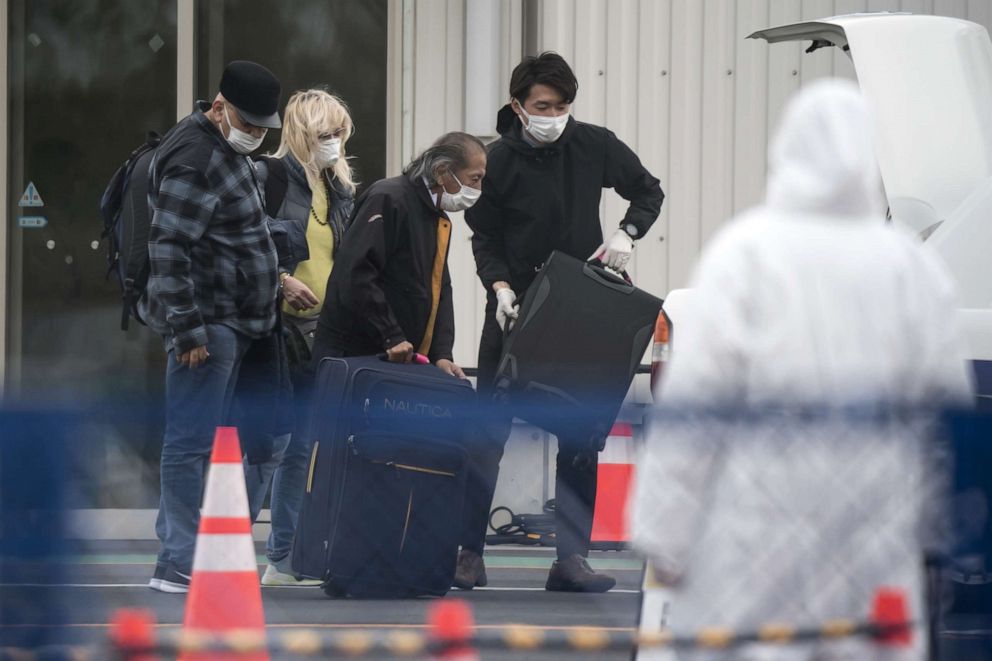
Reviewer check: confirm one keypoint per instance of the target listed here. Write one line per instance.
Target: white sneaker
(273, 576)
(155, 583)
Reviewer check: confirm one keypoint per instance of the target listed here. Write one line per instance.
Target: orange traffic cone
(224, 594)
(890, 612)
(451, 627)
(132, 633)
(615, 473)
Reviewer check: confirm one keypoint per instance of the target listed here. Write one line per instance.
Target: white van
(929, 80)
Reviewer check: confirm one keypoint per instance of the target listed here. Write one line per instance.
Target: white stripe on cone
(619, 449)
(226, 494)
(225, 552)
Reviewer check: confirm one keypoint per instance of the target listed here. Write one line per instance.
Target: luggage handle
(418, 358)
(595, 270)
(620, 282)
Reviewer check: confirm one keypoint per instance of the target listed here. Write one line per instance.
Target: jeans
(197, 401)
(287, 474)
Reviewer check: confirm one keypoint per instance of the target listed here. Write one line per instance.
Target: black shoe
(156, 580)
(173, 581)
(470, 572)
(573, 574)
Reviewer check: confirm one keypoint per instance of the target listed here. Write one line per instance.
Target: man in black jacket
(390, 289)
(542, 193)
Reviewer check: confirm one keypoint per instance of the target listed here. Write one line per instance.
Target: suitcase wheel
(333, 590)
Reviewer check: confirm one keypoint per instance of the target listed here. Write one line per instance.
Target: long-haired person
(392, 292)
(309, 189)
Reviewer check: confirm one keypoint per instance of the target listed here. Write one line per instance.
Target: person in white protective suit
(808, 300)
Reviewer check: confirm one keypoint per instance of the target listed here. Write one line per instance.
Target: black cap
(254, 91)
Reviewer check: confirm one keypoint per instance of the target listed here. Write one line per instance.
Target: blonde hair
(308, 114)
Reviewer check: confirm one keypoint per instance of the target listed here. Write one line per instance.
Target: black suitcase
(386, 483)
(573, 352)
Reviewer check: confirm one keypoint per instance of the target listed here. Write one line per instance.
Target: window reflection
(339, 44)
(88, 79)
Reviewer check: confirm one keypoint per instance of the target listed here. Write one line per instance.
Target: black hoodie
(539, 199)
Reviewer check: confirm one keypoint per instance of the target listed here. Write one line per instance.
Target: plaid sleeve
(182, 211)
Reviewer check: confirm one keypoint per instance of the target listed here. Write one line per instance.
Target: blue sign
(32, 222)
(31, 197)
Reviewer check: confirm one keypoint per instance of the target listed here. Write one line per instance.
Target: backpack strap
(135, 230)
(276, 184)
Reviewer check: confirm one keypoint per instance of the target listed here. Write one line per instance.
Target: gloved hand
(505, 308)
(616, 252)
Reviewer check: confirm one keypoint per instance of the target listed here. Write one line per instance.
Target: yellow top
(320, 239)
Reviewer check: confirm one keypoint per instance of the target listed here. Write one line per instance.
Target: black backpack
(275, 185)
(126, 222)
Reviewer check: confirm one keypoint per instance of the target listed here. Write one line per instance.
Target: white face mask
(328, 152)
(241, 142)
(463, 199)
(545, 129)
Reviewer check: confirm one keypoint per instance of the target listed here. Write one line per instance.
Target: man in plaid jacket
(211, 290)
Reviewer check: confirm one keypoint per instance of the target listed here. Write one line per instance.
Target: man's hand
(451, 368)
(616, 252)
(400, 353)
(298, 295)
(194, 357)
(506, 310)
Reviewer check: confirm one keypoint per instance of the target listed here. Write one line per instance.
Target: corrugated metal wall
(676, 79)
(434, 69)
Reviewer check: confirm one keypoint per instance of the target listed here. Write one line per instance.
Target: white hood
(822, 160)
(812, 296)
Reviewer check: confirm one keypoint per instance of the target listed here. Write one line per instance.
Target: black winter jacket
(288, 223)
(539, 199)
(379, 293)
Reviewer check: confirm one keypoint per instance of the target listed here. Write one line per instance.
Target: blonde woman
(309, 193)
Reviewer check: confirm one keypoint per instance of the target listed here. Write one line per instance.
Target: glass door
(87, 80)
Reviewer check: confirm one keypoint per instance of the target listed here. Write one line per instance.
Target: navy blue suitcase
(386, 482)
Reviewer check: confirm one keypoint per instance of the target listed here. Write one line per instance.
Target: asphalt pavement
(108, 576)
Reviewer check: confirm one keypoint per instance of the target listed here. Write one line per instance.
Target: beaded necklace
(313, 212)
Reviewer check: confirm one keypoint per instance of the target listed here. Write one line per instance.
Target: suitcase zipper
(419, 469)
(313, 465)
(406, 523)
(393, 464)
(416, 469)
(329, 543)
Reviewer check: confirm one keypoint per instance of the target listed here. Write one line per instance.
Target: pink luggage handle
(418, 359)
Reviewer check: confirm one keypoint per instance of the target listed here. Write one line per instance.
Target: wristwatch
(631, 230)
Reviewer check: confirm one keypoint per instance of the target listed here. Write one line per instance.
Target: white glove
(616, 252)
(505, 308)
